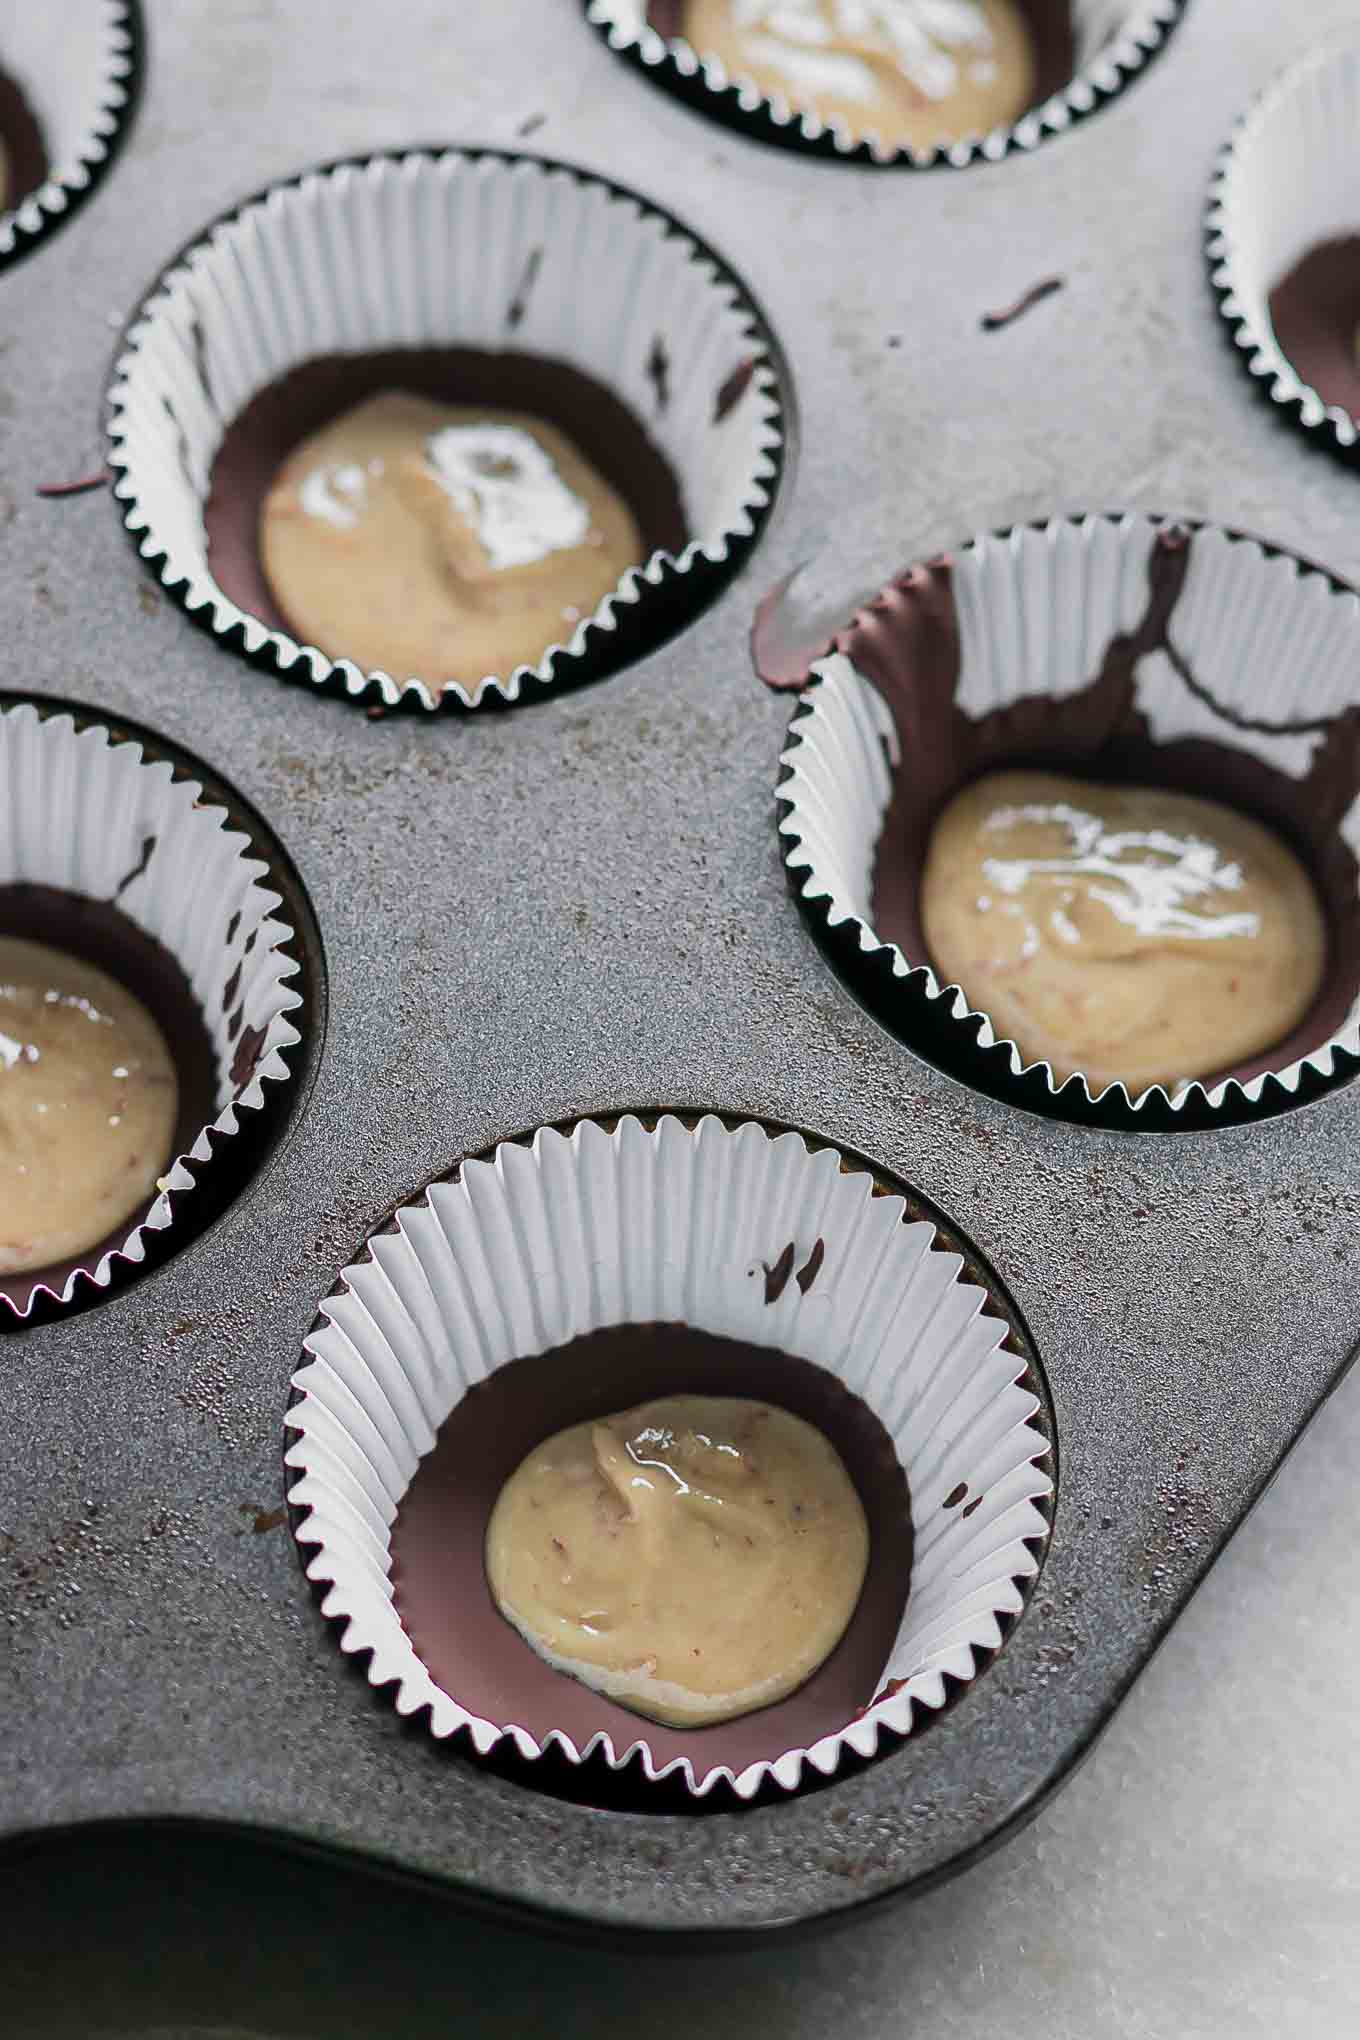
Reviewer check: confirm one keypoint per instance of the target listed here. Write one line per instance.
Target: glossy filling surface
(89, 1099)
(695, 1558)
(441, 541)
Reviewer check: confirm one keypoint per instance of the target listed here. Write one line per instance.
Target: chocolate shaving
(734, 389)
(148, 851)
(199, 344)
(230, 989)
(181, 442)
(263, 1520)
(777, 1277)
(659, 372)
(955, 1495)
(976, 1503)
(519, 303)
(247, 1056)
(81, 487)
(811, 1268)
(993, 322)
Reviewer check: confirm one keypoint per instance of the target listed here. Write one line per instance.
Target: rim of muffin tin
(239, 1145)
(937, 1022)
(627, 1780)
(651, 604)
(69, 184)
(703, 83)
(1273, 375)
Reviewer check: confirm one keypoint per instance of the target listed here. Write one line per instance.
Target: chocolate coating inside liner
(907, 643)
(439, 1576)
(1315, 311)
(103, 935)
(23, 142)
(280, 417)
(1049, 23)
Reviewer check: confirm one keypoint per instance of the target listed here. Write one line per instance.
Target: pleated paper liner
(672, 1220)
(110, 848)
(1124, 647)
(1286, 183)
(410, 254)
(1107, 44)
(69, 76)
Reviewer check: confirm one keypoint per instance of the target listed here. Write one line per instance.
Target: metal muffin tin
(580, 907)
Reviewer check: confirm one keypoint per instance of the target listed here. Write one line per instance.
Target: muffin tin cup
(1115, 40)
(92, 816)
(673, 1221)
(467, 249)
(78, 66)
(1263, 650)
(1286, 181)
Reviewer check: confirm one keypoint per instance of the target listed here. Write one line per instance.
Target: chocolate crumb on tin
(994, 322)
(80, 487)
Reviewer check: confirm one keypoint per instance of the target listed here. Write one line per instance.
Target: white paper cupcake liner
(1272, 645)
(1286, 180)
(1115, 40)
(78, 63)
(542, 1243)
(81, 810)
(462, 249)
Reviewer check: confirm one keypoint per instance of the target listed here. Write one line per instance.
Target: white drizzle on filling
(336, 494)
(508, 488)
(917, 34)
(833, 72)
(1154, 899)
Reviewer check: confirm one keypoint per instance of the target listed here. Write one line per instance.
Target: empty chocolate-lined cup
(1118, 650)
(497, 285)
(589, 1271)
(907, 83)
(68, 82)
(123, 865)
(1284, 244)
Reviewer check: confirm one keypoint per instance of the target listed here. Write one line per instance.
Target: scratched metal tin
(572, 911)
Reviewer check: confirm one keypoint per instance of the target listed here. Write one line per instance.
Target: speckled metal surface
(580, 906)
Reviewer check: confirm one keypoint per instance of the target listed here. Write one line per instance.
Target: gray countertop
(1199, 1876)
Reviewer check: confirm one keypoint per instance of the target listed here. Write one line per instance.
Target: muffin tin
(579, 908)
